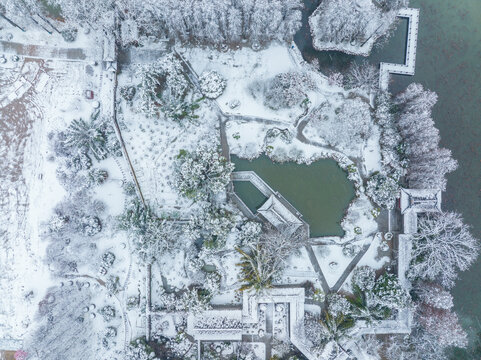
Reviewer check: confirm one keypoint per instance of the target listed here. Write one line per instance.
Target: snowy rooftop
(420, 200)
(216, 325)
(277, 214)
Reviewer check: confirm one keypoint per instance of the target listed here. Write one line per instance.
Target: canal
(448, 62)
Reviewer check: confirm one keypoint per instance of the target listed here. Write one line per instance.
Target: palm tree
(87, 136)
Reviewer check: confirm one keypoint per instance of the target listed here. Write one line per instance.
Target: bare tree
(419, 345)
(442, 246)
(427, 162)
(434, 295)
(364, 76)
(264, 258)
(444, 325)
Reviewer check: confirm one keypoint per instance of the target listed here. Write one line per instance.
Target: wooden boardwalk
(409, 66)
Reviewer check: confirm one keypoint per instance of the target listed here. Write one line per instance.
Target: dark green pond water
(448, 62)
(321, 191)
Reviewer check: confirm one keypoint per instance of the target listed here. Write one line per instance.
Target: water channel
(448, 62)
(321, 191)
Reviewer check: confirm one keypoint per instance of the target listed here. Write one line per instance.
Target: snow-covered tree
(212, 84)
(139, 349)
(218, 22)
(428, 164)
(263, 259)
(209, 22)
(151, 236)
(346, 126)
(327, 332)
(376, 299)
(76, 174)
(338, 305)
(162, 83)
(212, 226)
(419, 345)
(428, 170)
(442, 246)
(95, 14)
(383, 190)
(363, 76)
(414, 99)
(390, 293)
(14, 7)
(90, 225)
(347, 25)
(182, 111)
(71, 233)
(128, 92)
(201, 173)
(95, 137)
(435, 317)
(195, 299)
(390, 140)
(285, 90)
(434, 295)
(87, 137)
(444, 325)
(249, 232)
(364, 277)
(107, 312)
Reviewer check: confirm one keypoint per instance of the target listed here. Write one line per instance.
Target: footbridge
(408, 68)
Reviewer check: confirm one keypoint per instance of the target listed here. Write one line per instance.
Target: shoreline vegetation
(183, 270)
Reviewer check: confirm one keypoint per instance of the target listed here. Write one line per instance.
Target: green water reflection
(321, 191)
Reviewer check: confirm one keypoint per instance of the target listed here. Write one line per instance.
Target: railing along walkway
(408, 68)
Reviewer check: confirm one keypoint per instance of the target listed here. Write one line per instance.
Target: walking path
(317, 269)
(255, 180)
(109, 104)
(139, 55)
(408, 68)
(350, 268)
(49, 52)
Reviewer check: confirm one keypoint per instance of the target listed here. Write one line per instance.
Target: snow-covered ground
(55, 94)
(154, 144)
(242, 68)
(52, 94)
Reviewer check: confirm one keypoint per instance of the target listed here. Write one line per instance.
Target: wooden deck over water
(409, 66)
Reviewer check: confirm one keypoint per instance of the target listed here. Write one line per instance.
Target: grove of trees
(285, 90)
(202, 173)
(336, 23)
(428, 164)
(209, 22)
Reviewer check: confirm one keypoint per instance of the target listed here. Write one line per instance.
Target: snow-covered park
(122, 234)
